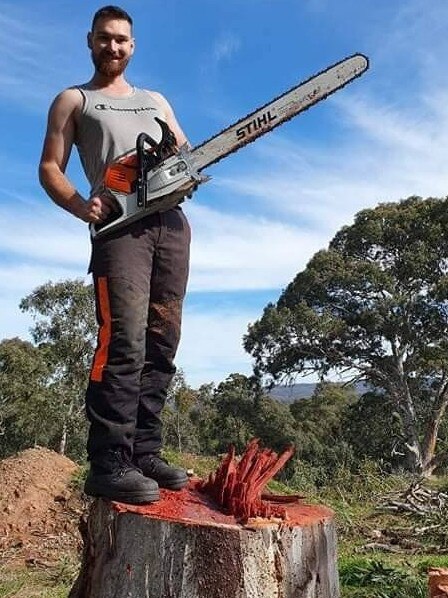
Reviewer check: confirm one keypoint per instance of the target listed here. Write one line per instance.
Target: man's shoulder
(159, 99)
(70, 96)
(156, 95)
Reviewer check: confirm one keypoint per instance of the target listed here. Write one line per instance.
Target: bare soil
(40, 508)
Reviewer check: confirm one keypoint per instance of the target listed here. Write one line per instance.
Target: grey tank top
(108, 128)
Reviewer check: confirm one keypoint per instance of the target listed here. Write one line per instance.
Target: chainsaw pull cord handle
(142, 187)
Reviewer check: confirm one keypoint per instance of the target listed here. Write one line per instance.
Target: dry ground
(40, 509)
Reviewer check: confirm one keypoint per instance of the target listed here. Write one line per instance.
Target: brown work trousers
(140, 275)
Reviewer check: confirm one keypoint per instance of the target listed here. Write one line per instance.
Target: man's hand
(97, 209)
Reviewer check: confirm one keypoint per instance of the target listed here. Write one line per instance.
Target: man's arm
(58, 143)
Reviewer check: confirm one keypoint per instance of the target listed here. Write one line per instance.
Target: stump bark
(186, 546)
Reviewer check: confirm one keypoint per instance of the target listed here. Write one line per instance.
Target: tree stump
(184, 546)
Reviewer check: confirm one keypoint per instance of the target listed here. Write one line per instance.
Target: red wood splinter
(237, 486)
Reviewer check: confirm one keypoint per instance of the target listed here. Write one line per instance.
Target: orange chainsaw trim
(121, 175)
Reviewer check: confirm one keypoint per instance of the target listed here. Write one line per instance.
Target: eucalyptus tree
(373, 306)
(26, 397)
(65, 327)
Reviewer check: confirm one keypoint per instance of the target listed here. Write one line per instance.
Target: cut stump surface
(184, 547)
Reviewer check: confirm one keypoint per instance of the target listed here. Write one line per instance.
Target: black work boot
(153, 466)
(112, 475)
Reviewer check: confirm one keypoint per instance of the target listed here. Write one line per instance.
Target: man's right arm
(58, 143)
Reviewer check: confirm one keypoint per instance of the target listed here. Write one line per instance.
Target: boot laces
(123, 461)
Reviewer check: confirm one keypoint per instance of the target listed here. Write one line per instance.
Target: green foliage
(274, 424)
(319, 434)
(364, 572)
(26, 395)
(65, 329)
(243, 411)
(178, 428)
(79, 477)
(234, 400)
(201, 465)
(203, 416)
(353, 496)
(65, 571)
(374, 304)
(372, 428)
(42, 385)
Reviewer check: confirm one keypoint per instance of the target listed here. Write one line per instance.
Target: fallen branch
(416, 500)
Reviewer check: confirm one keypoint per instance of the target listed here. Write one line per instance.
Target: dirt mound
(39, 507)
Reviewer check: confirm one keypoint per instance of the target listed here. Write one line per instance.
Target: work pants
(140, 275)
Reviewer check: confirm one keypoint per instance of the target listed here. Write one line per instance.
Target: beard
(107, 66)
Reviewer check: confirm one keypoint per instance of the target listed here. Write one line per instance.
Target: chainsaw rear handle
(142, 185)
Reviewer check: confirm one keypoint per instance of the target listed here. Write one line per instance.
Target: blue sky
(272, 205)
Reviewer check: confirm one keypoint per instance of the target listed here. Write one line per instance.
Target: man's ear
(89, 40)
(132, 45)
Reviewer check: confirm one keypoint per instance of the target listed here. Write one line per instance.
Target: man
(140, 271)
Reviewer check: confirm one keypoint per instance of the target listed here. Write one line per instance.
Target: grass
(376, 573)
(378, 578)
(200, 465)
(51, 582)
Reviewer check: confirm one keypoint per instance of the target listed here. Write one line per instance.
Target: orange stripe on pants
(102, 350)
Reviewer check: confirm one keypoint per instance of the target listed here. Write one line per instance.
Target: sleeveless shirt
(108, 128)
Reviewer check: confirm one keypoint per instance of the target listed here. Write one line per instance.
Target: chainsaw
(157, 176)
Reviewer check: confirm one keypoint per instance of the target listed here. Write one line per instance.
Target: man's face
(111, 46)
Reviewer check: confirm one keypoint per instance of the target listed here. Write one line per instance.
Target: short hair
(111, 12)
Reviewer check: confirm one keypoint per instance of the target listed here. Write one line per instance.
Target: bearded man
(139, 272)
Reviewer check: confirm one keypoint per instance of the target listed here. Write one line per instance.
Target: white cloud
(13, 323)
(304, 194)
(242, 252)
(32, 64)
(211, 345)
(223, 48)
(43, 236)
(19, 279)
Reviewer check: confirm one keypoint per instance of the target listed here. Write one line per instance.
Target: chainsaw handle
(141, 166)
(140, 145)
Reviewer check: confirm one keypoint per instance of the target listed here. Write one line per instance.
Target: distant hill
(293, 392)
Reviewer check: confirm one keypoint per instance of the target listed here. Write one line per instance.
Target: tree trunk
(430, 462)
(63, 441)
(184, 547)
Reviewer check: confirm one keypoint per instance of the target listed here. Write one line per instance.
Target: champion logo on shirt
(134, 110)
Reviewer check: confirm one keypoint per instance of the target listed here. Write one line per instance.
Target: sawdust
(40, 508)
